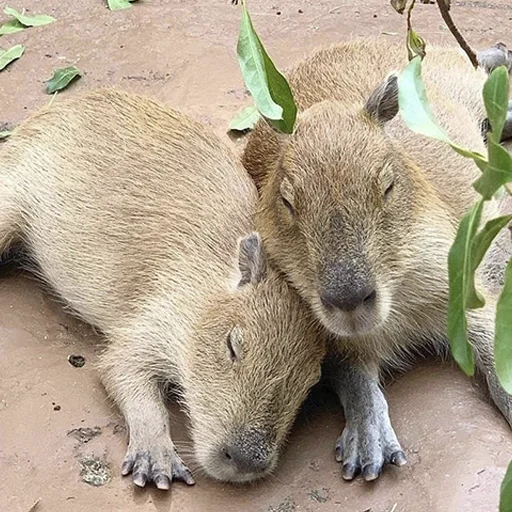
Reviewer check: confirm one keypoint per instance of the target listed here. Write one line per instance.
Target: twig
(409, 14)
(414, 42)
(50, 104)
(445, 13)
(34, 506)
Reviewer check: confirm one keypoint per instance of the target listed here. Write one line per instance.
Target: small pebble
(76, 360)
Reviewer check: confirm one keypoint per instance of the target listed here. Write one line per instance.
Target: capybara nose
(250, 451)
(348, 298)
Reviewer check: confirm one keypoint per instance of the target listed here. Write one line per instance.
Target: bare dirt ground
(182, 52)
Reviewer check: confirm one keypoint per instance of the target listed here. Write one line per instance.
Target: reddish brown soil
(182, 52)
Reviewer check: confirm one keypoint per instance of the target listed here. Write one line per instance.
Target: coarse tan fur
(354, 200)
(140, 219)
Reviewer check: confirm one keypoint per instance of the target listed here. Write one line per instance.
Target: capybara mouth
(225, 472)
(244, 459)
(350, 324)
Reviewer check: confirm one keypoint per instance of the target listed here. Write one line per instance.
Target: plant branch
(445, 13)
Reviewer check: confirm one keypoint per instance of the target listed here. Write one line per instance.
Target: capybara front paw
(366, 447)
(158, 463)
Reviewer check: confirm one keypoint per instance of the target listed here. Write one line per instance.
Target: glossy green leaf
(497, 172)
(62, 78)
(503, 333)
(35, 20)
(417, 114)
(268, 87)
(252, 65)
(118, 5)
(459, 271)
(481, 243)
(5, 133)
(282, 94)
(484, 238)
(496, 100)
(506, 491)
(413, 103)
(11, 27)
(245, 120)
(10, 55)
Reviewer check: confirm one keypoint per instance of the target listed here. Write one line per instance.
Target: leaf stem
(445, 13)
(409, 14)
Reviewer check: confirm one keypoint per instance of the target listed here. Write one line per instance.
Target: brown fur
(132, 213)
(334, 172)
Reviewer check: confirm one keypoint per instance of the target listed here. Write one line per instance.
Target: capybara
(360, 213)
(141, 220)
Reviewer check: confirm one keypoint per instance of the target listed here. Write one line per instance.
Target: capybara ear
(382, 105)
(251, 259)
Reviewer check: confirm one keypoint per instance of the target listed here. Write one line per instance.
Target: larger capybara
(360, 214)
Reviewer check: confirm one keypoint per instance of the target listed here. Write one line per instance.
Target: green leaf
(415, 45)
(11, 27)
(481, 243)
(36, 20)
(252, 65)
(269, 88)
(459, 273)
(503, 334)
(506, 491)
(414, 107)
(496, 100)
(118, 5)
(246, 119)
(484, 238)
(4, 134)
(10, 55)
(497, 172)
(417, 114)
(62, 78)
(282, 94)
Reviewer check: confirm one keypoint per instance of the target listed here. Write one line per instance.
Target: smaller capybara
(141, 221)
(360, 213)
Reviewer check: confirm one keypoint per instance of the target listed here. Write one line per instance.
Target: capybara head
(338, 211)
(256, 356)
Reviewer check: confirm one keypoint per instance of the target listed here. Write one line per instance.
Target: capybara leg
(130, 380)
(368, 441)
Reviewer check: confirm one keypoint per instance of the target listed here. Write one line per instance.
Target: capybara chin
(141, 221)
(360, 213)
